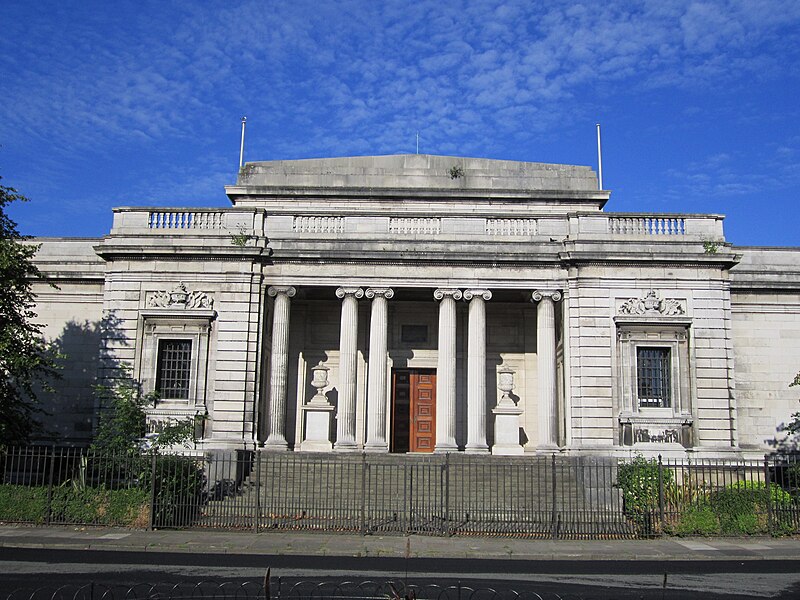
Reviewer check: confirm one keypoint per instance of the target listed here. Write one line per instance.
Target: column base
(444, 448)
(276, 445)
(376, 448)
(345, 447)
(476, 450)
(547, 449)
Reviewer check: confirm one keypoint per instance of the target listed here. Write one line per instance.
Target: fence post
(554, 517)
(446, 494)
(50, 484)
(151, 525)
(770, 528)
(257, 515)
(661, 496)
(363, 493)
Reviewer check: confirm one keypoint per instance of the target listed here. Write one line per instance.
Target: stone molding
(441, 293)
(387, 293)
(652, 304)
(554, 295)
(357, 292)
(180, 297)
(287, 290)
(477, 293)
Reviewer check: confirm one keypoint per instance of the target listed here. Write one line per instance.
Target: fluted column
(446, 371)
(348, 337)
(546, 353)
(376, 378)
(279, 367)
(476, 371)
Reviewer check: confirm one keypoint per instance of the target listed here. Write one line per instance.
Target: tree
(26, 361)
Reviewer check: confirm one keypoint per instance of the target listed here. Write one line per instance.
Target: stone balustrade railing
(187, 221)
(619, 226)
(589, 226)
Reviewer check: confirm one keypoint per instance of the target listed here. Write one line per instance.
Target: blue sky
(139, 103)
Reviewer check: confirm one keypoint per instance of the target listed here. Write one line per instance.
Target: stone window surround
(653, 332)
(169, 323)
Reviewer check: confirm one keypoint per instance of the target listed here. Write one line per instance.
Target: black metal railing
(553, 496)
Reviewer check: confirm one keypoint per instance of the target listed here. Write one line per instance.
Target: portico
(390, 338)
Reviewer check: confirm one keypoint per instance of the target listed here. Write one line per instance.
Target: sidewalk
(204, 541)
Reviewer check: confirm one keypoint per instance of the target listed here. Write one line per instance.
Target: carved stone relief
(651, 304)
(179, 297)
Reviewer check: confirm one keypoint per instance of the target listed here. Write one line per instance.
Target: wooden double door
(413, 410)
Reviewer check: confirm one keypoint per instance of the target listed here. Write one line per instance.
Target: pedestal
(318, 428)
(506, 430)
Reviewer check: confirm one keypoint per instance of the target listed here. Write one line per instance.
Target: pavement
(289, 543)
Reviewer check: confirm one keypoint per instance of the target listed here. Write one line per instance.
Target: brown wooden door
(423, 411)
(413, 410)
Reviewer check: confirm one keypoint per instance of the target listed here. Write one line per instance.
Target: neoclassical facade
(421, 303)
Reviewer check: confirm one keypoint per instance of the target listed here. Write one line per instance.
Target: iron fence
(558, 497)
(277, 589)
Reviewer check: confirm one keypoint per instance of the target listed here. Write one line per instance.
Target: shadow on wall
(70, 408)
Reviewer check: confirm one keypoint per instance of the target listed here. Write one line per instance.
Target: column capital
(442, 293)
(286, 290)
(356, 292)
(477, 293)
(554, 295)
(387, 293)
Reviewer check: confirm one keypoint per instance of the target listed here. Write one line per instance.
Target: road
(26, 569)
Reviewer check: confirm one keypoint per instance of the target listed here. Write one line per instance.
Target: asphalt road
(24, 570)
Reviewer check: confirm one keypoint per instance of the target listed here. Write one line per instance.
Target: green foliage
(700, 520)
(456, 171)
(126, 507)
(793, 427)
(710, 247)
(26, 360)
(240, 239)
(638, 480)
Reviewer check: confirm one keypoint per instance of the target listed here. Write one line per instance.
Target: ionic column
(376, 377)
(476, 371)
(348, 336)
(279, 367)
(446, 371)
(546, 353)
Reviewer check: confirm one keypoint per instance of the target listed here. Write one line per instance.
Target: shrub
(742, 506)
(22, 504)
(700, 520)
(638, 480)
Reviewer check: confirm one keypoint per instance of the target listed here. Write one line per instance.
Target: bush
(70, 504)
(639, 483)
(700, 520)
(22, 504)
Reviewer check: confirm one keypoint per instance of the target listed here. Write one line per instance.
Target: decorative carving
(349, 291)
(505, 383)
(651, 304)
(387, 293)
(485, 294)
(440, 293)
(274, 290)
(180, 297)
(554, 295)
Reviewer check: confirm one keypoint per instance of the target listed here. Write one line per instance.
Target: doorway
(413, 410)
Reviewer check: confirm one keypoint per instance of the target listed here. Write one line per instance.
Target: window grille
(174, 368)
(653, 377)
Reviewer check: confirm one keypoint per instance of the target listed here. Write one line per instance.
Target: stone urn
(505, 383)
(319, 381)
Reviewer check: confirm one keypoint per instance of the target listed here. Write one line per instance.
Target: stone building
(421, 303)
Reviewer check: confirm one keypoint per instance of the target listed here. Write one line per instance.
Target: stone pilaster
(376, 379)
(546, 353)
(279, 367)
(348, 337)
(446, 371)
(476, 371)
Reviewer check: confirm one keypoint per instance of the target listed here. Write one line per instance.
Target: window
(174, 369)
(653, 377)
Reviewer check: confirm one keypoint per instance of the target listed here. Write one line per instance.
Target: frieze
(180, 297)
(651, 304)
